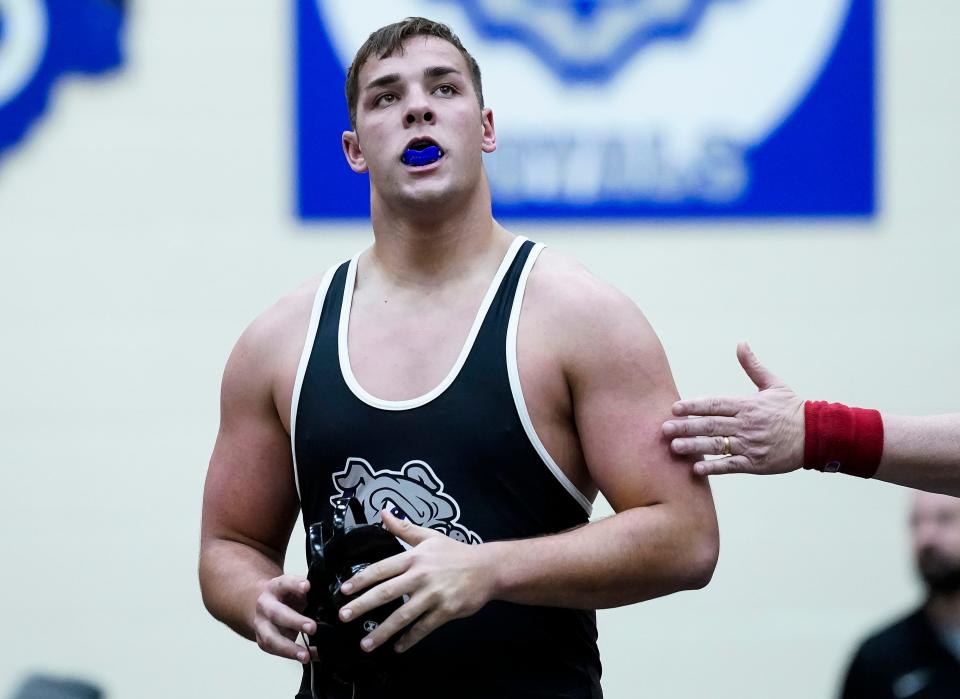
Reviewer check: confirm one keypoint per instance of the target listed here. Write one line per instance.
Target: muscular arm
(766, 431)
(663, 537)
(250, 502)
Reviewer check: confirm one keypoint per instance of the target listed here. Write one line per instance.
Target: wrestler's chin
(426, 196)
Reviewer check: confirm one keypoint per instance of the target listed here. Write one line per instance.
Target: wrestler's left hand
(445, 580)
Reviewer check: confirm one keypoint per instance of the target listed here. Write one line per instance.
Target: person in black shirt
(918, 657)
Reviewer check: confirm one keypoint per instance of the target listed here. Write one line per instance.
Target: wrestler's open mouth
(421, 152)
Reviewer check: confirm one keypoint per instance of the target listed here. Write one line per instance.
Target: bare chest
(403, 350)
(405, 353)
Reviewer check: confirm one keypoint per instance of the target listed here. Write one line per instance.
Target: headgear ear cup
(334, 559)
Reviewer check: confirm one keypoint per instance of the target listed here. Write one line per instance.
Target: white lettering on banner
(586, 171)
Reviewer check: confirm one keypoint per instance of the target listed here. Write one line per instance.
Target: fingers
(402, 618)
(380, 595)
(283, 617)
(718, 467)
(762, 377)
(276, 623)
(423, 628)
(702, 445)
(272, 640)
(406, 530)
(376, 572)
(291, 589)
(699, 426)
(395, 623)
(728, 407)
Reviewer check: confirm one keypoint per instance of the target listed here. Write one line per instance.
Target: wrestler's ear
(489, 131)
(353, 152)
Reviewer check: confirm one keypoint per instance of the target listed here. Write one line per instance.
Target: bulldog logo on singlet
(414, 493)
(584, 40)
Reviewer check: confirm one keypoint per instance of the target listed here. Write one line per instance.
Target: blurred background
(178, 182)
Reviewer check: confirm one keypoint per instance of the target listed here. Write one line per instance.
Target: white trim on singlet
(347, 371)
(513, 371)
(304, 361)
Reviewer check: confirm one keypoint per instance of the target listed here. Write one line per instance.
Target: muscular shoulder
(282, 322)
(621, 389)
(265, 356)
(590, 323)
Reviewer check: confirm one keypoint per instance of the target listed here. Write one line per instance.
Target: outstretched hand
(765, 430)
(442, 580)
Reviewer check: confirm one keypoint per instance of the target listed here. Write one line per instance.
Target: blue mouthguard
(430, 154)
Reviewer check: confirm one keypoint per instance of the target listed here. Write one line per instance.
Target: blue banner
(628, 108)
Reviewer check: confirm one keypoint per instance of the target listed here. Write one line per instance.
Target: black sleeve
(867, 678)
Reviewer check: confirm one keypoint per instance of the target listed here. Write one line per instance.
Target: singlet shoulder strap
(513, 371)
(318, 307)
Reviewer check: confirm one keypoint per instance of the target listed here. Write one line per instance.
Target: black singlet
(463, 459)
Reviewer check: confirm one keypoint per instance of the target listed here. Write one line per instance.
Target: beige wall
(147, 221)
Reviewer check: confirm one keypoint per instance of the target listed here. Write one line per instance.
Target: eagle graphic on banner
(585, 40)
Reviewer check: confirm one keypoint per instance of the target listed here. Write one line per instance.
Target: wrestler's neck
(432, 245)
(943, 608)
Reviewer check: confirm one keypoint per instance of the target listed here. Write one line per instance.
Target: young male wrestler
(475, 392)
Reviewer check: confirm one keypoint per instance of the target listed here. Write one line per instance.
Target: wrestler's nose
(418, 110)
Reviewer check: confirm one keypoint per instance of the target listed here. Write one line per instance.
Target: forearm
(922, 452)
(638, 554)
(232, 576)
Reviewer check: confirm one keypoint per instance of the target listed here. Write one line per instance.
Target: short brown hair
(389, 39)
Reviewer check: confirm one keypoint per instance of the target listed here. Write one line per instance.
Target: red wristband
(838, 438)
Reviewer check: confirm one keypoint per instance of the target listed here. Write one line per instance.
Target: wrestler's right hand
(277, 620)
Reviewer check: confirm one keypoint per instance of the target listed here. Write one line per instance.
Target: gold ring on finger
(726, 451)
